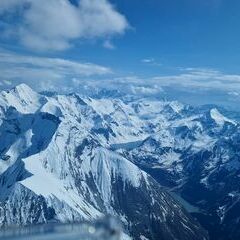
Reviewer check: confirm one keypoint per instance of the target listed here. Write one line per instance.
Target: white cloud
(57, 64)
(151, 62)
(197, 79)
(56, 24)
(148, 60)
(146, 90)
(42, 72)
(200, 78)
(8, 5)
(7, 82)
(108, 44)
(55, 73)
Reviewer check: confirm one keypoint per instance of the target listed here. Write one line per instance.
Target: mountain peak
(22, 87)
(219, 118)
(23, 98)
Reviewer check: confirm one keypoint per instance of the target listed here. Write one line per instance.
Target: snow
(45, 184)
(203, 141)
(108, 163)
(125, 236)
(189, 122)
(176, 106)
(52, 107)
(219, 118)
(168, 159)
(143, 238)
(15, 150)
(23, 98)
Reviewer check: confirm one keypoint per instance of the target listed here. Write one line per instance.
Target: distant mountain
(195, 153)
(63, 158)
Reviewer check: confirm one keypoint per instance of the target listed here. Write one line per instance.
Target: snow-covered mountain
(194, 152)
(64, 158)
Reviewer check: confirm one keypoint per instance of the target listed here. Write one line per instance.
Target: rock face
(63, 159)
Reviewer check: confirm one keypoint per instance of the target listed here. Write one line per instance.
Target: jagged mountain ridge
(59, 163)
(196, 151)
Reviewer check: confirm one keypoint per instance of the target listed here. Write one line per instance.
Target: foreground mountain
(59, 162)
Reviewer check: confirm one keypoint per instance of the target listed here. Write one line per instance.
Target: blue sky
(189, 44)
(193, 33)
(186, 33)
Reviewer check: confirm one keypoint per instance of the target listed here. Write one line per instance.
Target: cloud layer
(56, 24)
(190, 85)
(44, 73)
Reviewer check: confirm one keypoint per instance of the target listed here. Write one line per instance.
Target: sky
(143, 47)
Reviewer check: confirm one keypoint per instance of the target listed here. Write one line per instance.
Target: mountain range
(165, 169)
